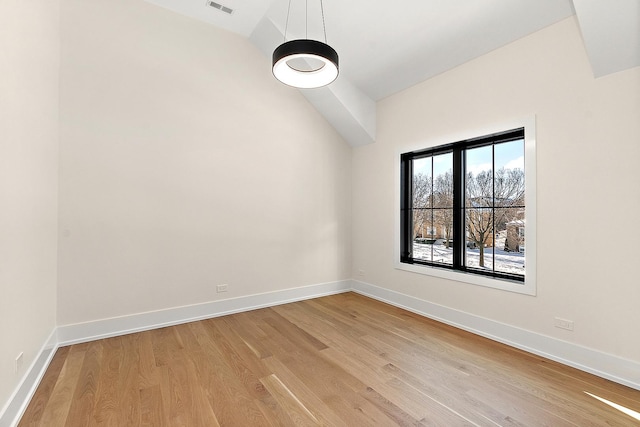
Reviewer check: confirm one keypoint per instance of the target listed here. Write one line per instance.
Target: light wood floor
(343, 360)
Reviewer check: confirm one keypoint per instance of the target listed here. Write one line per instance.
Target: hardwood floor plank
(84, 399)
(253, 337)
(291, 330)
(239, 366)
(396, 414)
(175, 390)
(148, 372)
(173, 395)
(43, 393)
(165, 342)
(151, 408)
(107, 406)
(230, 400)
(242, 349)
(57, 409)
(341, 360)
(187, 403)
(299, 414)
(128, 380)
(338, 319)
(309, 398)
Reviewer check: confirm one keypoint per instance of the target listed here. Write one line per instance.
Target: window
(464, 210)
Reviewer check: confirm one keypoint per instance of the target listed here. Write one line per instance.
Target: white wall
(29, 58)
(185, 164)
(588, 195)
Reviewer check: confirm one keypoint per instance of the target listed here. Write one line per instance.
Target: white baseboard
(17, 404)
(614, 368)
(611, 367)
(105, 328)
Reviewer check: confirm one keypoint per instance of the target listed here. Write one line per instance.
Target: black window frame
(459, 172)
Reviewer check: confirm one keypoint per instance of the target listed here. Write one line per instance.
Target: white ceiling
(385, 47)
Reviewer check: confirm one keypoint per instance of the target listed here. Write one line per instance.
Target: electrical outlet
(222, 288)
(19, 362)
(564, 324)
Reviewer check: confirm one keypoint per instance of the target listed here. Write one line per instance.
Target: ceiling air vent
(220, 7)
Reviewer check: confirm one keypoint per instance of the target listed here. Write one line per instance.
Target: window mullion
(493, 208)
(459, 236)
(432, 206)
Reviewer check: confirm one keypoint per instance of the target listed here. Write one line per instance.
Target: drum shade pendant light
(305, 63)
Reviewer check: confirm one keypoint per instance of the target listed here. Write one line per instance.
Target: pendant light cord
(306, 21)
(286, 25)
(324, 29)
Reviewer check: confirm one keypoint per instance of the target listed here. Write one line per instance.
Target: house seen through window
(463, 206)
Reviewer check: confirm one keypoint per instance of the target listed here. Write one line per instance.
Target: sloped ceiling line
(406, 45)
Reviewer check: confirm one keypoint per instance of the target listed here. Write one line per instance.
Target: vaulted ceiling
(386, 47)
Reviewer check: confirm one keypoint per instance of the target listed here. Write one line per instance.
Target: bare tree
(490, 201)
(422, 200)
(443, 195)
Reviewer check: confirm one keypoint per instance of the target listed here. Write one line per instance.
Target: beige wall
(29, 57)
(587, 167)
(184, 165)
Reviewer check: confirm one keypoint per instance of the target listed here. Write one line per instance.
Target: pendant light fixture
(305, 63)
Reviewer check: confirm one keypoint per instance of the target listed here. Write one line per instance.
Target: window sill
(527, 287)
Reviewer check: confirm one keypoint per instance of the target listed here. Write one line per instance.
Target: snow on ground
(506, 262)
